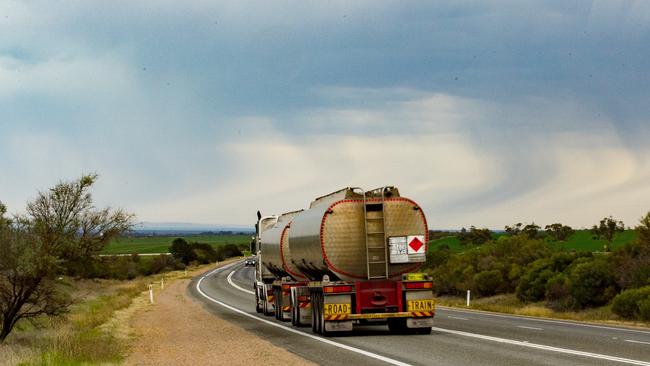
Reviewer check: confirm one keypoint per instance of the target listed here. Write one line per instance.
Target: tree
(644, 230)
(531, 231)
(514, 229)
(474, 236)
(559, 232)
(607, 230)
(60, 225)
(182, 251)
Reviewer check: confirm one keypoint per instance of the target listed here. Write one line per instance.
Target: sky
(486, 113)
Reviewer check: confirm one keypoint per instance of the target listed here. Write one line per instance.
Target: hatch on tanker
(356, 235)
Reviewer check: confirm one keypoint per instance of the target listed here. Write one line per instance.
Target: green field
(581, 241)
(160, 244)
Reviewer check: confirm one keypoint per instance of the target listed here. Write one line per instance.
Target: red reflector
(303, 298)
(286, 287)
(335, 289)
(417, 285)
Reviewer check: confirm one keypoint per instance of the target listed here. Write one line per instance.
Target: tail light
(418, 285)
(337, 289)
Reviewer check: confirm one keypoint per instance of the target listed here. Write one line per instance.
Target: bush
(204, 253)
(228, 251)
(592, 283)
(633, 304)
(488, 282)
(532, 285)
(182, 251)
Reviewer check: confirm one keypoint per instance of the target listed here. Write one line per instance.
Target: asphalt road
(458, 338)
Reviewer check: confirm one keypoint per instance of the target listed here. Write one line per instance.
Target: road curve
(459, 338)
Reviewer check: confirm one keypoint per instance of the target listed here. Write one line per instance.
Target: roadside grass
(509, 304)
(96, 331)
(77, 338)
(160, 244)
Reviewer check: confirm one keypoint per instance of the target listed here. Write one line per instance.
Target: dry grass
(509, 304)
(91, 333)
(95, 331)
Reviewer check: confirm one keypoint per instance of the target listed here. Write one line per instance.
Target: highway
(459, 337)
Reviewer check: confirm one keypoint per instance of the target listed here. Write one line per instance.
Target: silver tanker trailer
(350, 258)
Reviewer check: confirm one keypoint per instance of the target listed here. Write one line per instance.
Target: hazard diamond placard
(415, 244)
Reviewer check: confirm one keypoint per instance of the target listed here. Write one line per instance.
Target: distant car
(249, 263)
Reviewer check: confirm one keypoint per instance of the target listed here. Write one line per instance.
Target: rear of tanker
(351, 258)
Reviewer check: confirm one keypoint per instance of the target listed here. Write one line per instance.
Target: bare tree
(61, 224)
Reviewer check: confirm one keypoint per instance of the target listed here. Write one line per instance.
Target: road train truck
(350, 258)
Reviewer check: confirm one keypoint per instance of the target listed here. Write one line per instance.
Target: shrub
(532, 285)
(487, 283)
(182, 251)
(228, 251)
(204, 253)
(592, 283)
(633, 304)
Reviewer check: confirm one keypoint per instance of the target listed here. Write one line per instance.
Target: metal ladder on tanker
(376, 251)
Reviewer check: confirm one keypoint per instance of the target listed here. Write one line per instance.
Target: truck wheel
(258, 308)
(278, 306)
(267, 311)
(314, 313)
(294, 309)
(397, 326)
(321, 319)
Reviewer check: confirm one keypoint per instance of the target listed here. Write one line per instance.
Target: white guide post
(468, 296)
(162, 283)
(151, 293)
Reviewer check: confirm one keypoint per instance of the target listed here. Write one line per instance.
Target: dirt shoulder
(178, 331)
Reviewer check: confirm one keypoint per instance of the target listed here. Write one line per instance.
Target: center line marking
(456, 317)
(543, 347)
(525, 327)
(633, 341)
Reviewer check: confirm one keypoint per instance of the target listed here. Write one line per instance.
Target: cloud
(439, 151)
(485, 113)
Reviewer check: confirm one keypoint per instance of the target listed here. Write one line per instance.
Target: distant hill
(173, 228)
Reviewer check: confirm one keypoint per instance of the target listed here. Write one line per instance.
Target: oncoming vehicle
(249, 262)
(350, 258)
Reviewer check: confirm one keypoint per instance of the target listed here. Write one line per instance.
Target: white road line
(541, 320)
(326, 341)
(456, 317)
(466, 334)
(633, 341)
(233, 284)
(543, 347)
(525, 327)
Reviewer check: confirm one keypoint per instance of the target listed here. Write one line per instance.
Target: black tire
(423, 331)
(396, 326)
(258, 308)
(278, 305)
(321, 316)
(314, 313)
(293, 310)
(267, 311)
